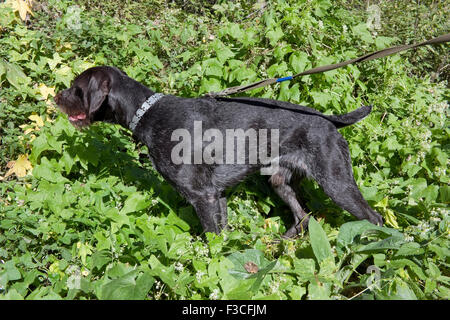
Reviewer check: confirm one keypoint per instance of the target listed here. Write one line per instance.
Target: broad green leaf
(305, 268)
(166, 274)
(297, 292)
(15, 75)
(318, 291)
(40, 144)
(101, 258)
(402, 291)
(128, 287)
(11, 271)
(47, 172)
(64, 75)
(321, 98)
(361, 32)
(210, 85)
(240, 259)
(417, 187)
(393, 242)
(135, 202)
(11, 295)
(173, 219)
(299, 61)
(319, 240)
(213, 67)
(350, 230)
(274, 35)
(410, 249)
(235, 31)
(383, 42)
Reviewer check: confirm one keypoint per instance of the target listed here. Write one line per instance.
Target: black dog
(309, 143)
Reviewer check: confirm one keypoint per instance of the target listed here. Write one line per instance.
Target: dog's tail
(349, 118)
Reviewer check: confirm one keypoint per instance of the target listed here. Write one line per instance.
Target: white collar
(143, 109)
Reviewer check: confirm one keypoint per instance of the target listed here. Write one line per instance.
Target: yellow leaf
(390, 218)
(388, 214)
(46, 91)
(23, 9)
(37, 120)
(21, 167)
(27, 131)
(50, 106)
(22, 6)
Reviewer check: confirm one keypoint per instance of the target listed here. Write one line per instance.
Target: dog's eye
(78, 92)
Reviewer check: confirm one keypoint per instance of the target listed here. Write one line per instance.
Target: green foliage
(94, 220)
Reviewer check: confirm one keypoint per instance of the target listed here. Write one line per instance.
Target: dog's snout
(57, 98)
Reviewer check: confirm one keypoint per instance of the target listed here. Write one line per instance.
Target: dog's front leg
(211, 212)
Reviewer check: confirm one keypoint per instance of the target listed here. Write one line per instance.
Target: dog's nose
(57, 98)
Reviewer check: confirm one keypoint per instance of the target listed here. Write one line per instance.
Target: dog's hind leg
(223, 223)
(295, 185)
(280, 182)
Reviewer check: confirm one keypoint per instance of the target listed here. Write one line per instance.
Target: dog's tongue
(80, 116)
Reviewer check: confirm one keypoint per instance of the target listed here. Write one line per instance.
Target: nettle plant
(84, 216)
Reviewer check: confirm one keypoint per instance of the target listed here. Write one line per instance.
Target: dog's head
(86, 100)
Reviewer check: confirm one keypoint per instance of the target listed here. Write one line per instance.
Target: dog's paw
(296, 229)
(376, 219)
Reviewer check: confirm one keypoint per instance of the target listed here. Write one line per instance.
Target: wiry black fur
(310, 145)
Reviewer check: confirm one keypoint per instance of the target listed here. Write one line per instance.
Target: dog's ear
(97, 91)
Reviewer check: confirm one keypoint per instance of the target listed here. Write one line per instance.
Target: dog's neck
(129, 98)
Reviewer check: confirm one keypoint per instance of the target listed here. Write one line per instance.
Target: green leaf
(11, 295)
(392, 242)
(235, 31)
(213, 67)
(166, 274)
(240, 259)
(400, 263)
(410, 249)
(100, 258)
(39, 145)
(223, 53)
(209, 85)
(46, 171)
(417, 187)
(15, 75)
(275, 35)
(128, 287)
(321, 98)
(135, 202)
(305, 268)
(64, 75)
(319, 241)
(11, 271)
(350, 230)
(319, 291)
(114, 215)
(173, 219)
(402, 291)
(297, 292)
(299, 61)
(361, 32)
(383, 42)
(392, 144)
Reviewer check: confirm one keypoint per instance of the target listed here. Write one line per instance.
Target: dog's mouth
(79, 120)
(77, 117)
